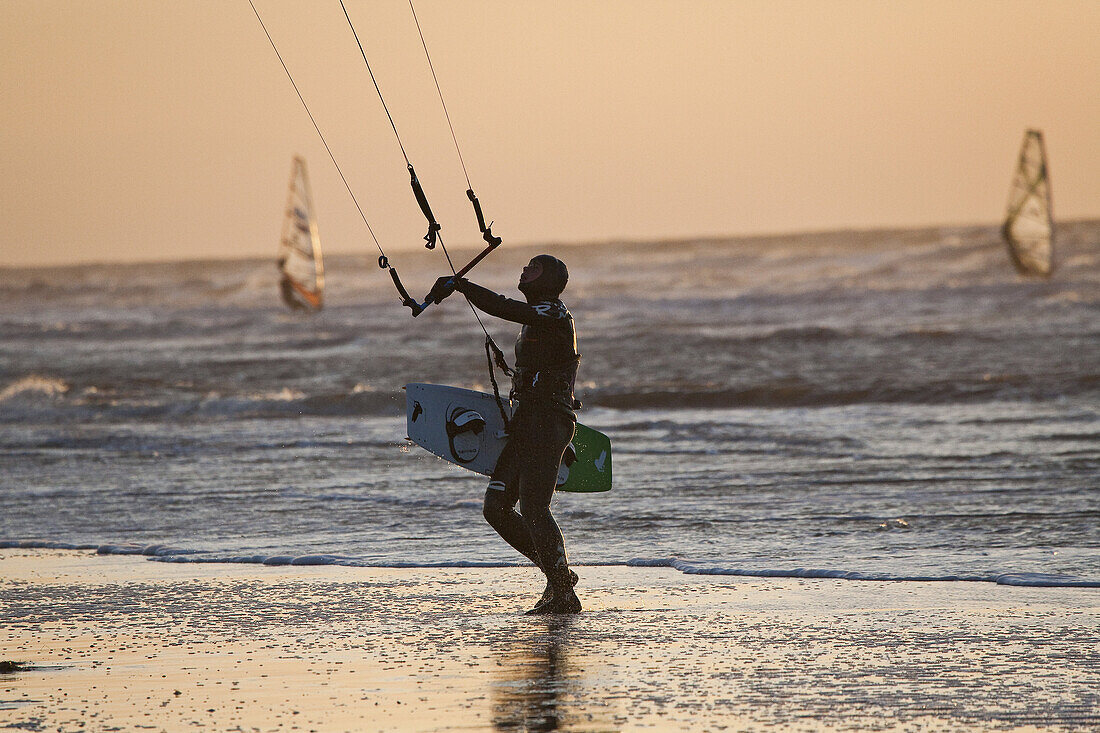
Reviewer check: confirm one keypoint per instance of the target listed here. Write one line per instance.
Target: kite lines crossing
(433, 236)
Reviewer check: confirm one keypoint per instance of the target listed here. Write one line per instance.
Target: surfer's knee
(538, 492)
(535, 513)
(496, 503)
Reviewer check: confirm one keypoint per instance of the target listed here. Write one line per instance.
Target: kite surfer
(541, 426)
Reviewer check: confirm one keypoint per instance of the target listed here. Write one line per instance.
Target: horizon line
(715, 238)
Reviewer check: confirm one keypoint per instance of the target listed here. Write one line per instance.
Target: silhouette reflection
(534, 687)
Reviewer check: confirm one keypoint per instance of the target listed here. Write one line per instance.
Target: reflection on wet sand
(540, 678)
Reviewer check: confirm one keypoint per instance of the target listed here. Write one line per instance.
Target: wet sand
(121, 643)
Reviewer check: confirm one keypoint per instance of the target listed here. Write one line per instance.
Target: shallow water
(874, 404)
(134, 645)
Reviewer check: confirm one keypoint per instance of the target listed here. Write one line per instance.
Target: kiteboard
(466, 428)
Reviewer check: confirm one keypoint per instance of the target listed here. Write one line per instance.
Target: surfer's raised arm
(548, 276)
(491, 302)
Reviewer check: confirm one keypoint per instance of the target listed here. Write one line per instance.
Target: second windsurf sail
(1028, 228)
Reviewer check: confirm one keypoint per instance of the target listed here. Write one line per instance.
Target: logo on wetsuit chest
(550, 309)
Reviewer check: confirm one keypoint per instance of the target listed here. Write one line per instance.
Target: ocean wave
(1032, 580)
(34, 387)
(155, 550)
(401, 499)
(810, 334)
(1093, 437)
(327, 559)
(164, 553)
(45, 399)
(796, 392)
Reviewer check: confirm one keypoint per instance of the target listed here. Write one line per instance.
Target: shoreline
(117, 641)
(167, 554)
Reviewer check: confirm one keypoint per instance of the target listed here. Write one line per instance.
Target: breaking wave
(45, 398)
(164, 553)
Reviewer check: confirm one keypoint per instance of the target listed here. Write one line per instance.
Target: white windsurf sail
(1029, 224)
(299, 257)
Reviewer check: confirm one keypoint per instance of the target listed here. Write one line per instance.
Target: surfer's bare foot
(549, 592)
(566, 602)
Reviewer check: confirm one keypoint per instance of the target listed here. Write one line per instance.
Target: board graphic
(465, 427)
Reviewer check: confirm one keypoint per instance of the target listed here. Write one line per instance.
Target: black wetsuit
(540, 429)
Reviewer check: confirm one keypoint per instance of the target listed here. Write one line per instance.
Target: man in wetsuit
(542, 425)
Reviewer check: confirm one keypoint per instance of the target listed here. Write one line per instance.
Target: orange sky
(147, 130)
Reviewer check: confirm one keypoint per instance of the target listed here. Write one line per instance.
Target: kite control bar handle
(406, 299)
(429, 300)
(433, 225)
(486, 231)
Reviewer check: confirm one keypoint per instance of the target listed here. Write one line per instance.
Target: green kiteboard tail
(591, 468)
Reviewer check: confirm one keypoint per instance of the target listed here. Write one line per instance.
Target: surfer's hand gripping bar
(434, 296)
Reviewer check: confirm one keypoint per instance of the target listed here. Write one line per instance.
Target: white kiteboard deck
(465, 427)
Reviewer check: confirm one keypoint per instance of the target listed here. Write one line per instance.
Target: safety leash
(493, 353)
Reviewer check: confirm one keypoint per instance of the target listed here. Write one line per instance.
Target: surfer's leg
(537, 483)
(499, 507)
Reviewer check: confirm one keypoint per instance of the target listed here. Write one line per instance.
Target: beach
(121, 643)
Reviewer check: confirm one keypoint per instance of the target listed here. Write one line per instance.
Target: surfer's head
(544, 277)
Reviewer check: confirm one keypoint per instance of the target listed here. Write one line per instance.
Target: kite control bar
(416, 307)
(429, 299)
(431, 238)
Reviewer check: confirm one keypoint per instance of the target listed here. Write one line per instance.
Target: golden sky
(150, 130)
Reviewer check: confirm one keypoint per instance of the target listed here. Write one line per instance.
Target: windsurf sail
(1029, 224)
(299, 256)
